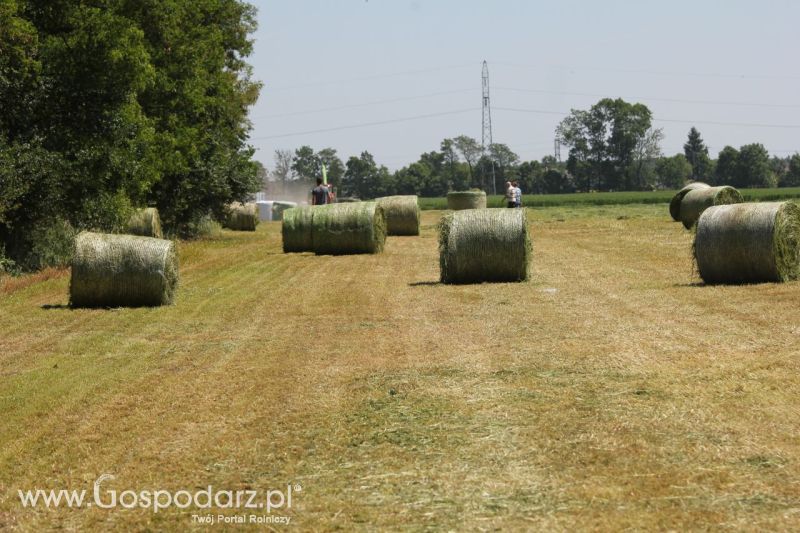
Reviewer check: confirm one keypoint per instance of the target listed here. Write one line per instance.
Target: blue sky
(414, 66)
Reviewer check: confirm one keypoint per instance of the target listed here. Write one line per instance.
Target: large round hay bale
(264, 210)
(242, 217)
(457, 200)
(675, 203)
(296, 229)
(484, 245)
(278, 208)
(698, 200)
(145, 222)
(748, 243)
(402, 214)
(353, 228)
(122, 271)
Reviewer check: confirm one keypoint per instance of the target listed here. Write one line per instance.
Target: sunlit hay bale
(241, 217)
(264, 210)
(675, 203)
(402, 214)
(122, 271)
(353, 228)
(145, 222)
(278, 208)
(296, 229)
(748, 243)
(458, 200)
(484, 245)
(698, 200)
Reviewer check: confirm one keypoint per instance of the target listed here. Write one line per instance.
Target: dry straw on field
(402, 214)
(484, 245)
(122, 271)
(698, 200)
(278, 208)
(675, 203)
(296, 229)
(748, 243)
(356, 228)
(242, 217)
(458, 200)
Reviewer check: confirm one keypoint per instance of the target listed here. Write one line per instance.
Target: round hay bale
(484, 245)
(296, 229)
(696, 201)
(278, 208)
(145, 222)
(675, 203)
(242, 217)
(353, 228)
(402, 214)
(458, 200)
(748, 243)
(264, 210)
(122, 271)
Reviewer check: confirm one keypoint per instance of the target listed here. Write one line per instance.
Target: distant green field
(612, 198)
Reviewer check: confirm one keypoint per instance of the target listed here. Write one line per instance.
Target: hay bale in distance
(122, 271)
(675, 203)
(484, 245)
(698, 200)
(402, 214)
(352, 228)
(278, 208)
(242, 217)
(145, 222)
(457, 200)
(748, 243)
(264, 210)
(296, 229)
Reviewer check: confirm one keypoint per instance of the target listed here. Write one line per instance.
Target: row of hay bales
(738, 242)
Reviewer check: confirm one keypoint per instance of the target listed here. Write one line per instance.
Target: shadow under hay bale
(402, 214)
(457, 200)
(296, 229)
(356, 228)
(675, 203)
(748, 243)
(696, 201)
(241, 217)
(479, 245)
(146, 223)
(122, 271)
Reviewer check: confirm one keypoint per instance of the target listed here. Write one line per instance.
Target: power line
(655, 99)
(366, 124)
(364, 104)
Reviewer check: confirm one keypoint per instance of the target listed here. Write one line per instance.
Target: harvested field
(612, 391)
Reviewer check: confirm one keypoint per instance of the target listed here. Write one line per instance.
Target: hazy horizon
(395, 78)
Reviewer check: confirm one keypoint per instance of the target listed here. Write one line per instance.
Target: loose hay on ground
(457, 200)
(296, 229)
(484, 245)
(122, 271)
(746, 243)
(675, 203)
(402, 214)
(698, 200)
(354, 228)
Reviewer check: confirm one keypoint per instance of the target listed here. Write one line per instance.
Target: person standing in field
(319, 194)
(517, 194)
(510, 195)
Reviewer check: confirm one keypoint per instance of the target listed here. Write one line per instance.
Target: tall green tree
(727, 169)
(471, 151)
(792, 177)
(696, 153)
(673, 172)
(753, 167)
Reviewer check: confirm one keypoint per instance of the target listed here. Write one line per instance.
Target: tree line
(116, 104)
(611, 147)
